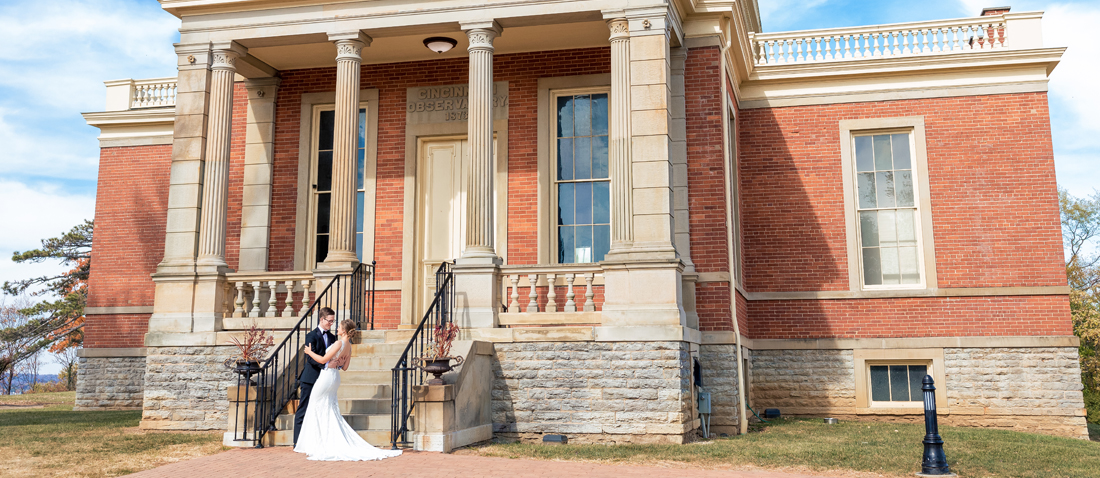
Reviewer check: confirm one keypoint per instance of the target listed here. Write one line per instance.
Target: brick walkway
(283, 462)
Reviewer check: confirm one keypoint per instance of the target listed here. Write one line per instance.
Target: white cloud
(58, 53)
(32, 213)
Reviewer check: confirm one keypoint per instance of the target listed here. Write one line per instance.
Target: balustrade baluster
(305, 297)
(895, 50)
(801, 57)
(589, 303)
(256, 293)
(955, 39)
(288, 311)
(513, 306)
(551, 294)
(906, 49)
(239, 310)
(533, 305)
(570, 305)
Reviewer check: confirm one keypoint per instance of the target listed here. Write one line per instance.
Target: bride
(325, 435)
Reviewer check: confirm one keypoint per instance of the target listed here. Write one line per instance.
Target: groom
(317, 340)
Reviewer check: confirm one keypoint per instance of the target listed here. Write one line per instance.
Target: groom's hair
(327, 312)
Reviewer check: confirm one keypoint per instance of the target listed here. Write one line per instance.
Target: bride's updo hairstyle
(348, 326)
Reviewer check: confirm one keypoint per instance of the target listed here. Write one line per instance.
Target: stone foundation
(802, 379)
(1014, 388)
(719, 374)
(110, 383)
(185, 388)
(1023, 389)
(593, 392)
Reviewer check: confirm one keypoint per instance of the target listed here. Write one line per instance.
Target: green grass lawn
(883, 448)
(41, 435)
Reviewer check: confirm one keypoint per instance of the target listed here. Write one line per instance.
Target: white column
(477, 271)
(341, 246)
(215, 189)
(479, 193)
(622, 215)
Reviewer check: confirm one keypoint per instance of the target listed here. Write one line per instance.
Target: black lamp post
(934, 462)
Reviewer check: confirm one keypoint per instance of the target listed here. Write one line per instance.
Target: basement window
(897, 383)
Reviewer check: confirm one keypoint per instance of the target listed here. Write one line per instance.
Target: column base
(477, 291)
(644, 293)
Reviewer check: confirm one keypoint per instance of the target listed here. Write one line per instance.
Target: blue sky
(55, 55)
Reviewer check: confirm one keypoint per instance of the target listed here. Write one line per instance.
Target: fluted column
(215, 189)
(479, 193)
(341, 248)
(622, 210)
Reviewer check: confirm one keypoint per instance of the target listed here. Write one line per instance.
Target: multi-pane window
(897, 383)
(887, 208)
(582, 182)
(322, 186)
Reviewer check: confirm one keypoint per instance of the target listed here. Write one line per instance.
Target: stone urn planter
(437, 366)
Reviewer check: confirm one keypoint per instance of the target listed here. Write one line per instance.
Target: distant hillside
(23, 381)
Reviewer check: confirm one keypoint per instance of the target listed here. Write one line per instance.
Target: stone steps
(378, 438)
(358, 421)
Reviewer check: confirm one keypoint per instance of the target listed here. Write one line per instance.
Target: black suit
(316, 342)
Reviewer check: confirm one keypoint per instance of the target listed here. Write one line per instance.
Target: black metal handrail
(352, 297)
(440, 312)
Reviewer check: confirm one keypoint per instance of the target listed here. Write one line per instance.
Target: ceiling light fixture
(440, 44)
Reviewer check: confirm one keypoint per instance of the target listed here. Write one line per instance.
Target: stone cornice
(131, 117)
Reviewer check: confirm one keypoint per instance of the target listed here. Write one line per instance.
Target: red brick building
(815, 220)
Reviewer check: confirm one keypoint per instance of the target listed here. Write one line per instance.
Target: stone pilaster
(477, 271)
(188, 149)
(622, 224)
(644, 282)
(678, 156)
(259, 150)
(215, 191)
(341, 247)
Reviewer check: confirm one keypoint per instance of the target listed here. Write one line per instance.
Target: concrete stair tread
(378, 438)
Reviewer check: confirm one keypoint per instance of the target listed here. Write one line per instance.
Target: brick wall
(909, 317)
(993, 192)
(128, 242)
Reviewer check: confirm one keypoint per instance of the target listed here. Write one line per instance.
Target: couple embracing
(319, 429)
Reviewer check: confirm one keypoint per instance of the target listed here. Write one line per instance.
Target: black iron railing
(405, 376)
(264, 392)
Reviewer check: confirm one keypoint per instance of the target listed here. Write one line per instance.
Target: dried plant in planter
(255, 345)
(443, 337)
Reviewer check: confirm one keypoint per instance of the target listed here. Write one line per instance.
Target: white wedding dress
(325, 435)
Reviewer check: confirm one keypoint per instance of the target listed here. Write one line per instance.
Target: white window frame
(914, 126)
(548, 89)
(553, 158)
(305, 218)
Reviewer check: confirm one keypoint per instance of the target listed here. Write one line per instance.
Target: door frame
(414, 134)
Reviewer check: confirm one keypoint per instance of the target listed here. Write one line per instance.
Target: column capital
(224, 55)
(619, 27)
(349, 46)
(482, 34)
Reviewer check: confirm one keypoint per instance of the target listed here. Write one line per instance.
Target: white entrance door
(443, 168)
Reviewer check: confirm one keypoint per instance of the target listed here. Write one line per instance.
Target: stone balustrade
(884, 41)
(130, 94)
(269, 294)
(552, 288)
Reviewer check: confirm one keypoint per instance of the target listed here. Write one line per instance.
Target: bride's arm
(345, 362)
(329, 355)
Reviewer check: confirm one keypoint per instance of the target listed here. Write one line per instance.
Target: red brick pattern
(706, 171)
(910, 317)
(993, 193)
(128, 242)
(236, 176)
